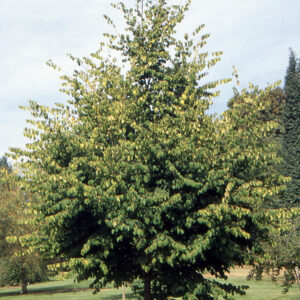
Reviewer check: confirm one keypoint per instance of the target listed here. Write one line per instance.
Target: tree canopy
(136, 179)
(291, 136)
(19, 263)
(282, 253)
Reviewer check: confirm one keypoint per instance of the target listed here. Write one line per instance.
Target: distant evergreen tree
(4, 163)
(291, 135)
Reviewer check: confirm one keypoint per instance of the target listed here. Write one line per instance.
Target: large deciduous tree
(136, 179)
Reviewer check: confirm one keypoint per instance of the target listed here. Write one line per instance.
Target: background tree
(136, 180)
(5, 221)
(291, 137)
(4, 163)
(282, 254)
(273, 102)
(18, 263)
(288, 255)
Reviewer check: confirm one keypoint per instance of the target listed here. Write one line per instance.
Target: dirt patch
(240, 272)
(236, 272)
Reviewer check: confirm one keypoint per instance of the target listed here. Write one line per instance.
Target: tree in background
(19, 264)
(282, 254)
(274, 102)
(136, 180)
(4, 163)
(291, 136)
(5, 221)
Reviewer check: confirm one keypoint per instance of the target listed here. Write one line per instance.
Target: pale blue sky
(254, 35)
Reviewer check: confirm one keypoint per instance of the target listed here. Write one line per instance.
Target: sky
(254, 35)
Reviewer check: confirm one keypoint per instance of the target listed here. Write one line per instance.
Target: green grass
(69, 290)
(265, 290)
(61, 290)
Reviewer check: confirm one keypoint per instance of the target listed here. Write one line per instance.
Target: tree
(282, 255)
(291, 136)
(274, 108)
(136, 180)
(274, 102)
(19, 263)
(282, 251)
(5, 221)
(4, 163)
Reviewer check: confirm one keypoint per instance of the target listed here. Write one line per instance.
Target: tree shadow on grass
(9, 293)
(44, 290)
(59, 290)
(119, 296)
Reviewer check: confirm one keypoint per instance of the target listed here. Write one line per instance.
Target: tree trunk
(24, 281)
(123, 292)
(147, 287)
(297, 276)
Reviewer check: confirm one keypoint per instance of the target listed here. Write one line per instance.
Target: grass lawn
(69, 290)
(61, 290)
(265, 290)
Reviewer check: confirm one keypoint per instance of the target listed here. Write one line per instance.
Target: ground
(69, 290)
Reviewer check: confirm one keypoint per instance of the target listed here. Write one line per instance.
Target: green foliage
(291, 137)
(274, 106)
(274, 102)
(136, 180)
(19, 263)
(5, 219)
(11, 271)
(282, 255)
(4, 163)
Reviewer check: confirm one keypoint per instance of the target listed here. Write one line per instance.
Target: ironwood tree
(135, 179)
